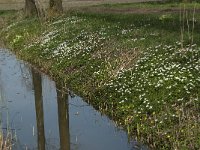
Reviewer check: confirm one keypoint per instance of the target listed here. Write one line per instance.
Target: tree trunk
(56, 6)
(30, 8)
(40, 9)
(34, 7)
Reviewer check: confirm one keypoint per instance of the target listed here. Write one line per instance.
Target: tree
(56, 6)
(40, 9)
(30, 8)
(34, 7)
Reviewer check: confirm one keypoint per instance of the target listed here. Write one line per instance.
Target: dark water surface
(41, 116)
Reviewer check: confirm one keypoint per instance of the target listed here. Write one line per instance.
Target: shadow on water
(45, 117)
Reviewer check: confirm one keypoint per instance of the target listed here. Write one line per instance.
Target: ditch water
(41, 116)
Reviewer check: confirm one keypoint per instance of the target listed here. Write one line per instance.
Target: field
(141, 68)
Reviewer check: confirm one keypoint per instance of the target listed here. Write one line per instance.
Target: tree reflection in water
(63, 117)
(63, 113)
(37, 83)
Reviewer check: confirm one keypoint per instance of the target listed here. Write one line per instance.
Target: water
(42, 116)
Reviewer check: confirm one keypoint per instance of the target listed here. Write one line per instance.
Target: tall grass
(5, 141)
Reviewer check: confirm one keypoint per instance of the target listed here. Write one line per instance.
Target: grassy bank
(143, 70)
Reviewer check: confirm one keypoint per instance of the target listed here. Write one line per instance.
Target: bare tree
(56, 6)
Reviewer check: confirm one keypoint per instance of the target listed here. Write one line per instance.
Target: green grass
(136, 68)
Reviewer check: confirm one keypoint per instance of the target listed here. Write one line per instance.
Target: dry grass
(5, 142)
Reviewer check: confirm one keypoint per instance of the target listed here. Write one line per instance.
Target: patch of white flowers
(82, 44)
(165, 73)
(68, 20)
(49, 36)
(56, 43)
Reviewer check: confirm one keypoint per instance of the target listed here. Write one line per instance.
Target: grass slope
(143, 70)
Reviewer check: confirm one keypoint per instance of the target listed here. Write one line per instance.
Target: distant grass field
(142, 70)
(157, 5)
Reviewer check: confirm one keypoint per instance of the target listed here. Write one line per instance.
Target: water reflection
(63, 113)
(37, 83)
(63, 117)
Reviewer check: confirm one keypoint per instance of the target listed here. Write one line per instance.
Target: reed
(5, 141)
